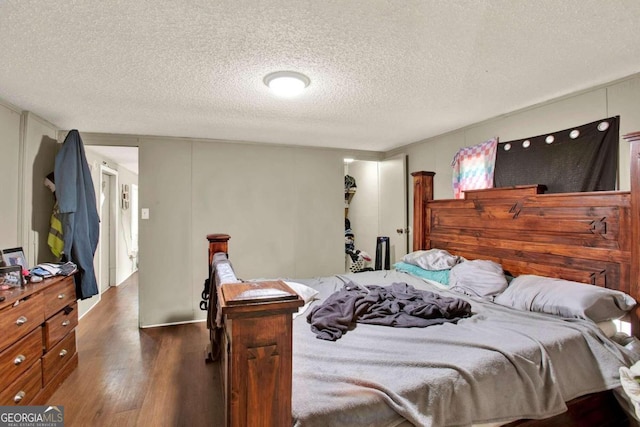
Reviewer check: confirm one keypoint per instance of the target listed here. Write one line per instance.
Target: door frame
(404, 193)
(114, 232)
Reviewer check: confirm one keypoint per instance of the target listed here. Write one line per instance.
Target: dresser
(37, 340)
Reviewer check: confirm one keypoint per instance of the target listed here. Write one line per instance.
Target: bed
(499, 366)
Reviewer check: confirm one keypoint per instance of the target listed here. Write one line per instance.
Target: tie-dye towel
(473, 167)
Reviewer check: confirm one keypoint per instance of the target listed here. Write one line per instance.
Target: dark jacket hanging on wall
(78, 212)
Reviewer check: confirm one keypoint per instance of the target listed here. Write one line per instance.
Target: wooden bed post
(634, 141)
(217, 243)
(422, 192)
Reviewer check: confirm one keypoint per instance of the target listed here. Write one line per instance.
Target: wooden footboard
(252, 331)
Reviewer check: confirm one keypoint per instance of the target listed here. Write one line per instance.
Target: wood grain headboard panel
(576, 237)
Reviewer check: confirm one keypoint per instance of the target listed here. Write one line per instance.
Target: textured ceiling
(383, 73)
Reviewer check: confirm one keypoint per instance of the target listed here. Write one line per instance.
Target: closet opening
(375, 206)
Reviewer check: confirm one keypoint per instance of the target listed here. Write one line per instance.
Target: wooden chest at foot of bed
(256, 352)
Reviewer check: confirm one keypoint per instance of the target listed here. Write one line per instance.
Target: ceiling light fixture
(286, 84)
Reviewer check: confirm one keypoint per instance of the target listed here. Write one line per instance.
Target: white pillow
(432, 259)
(478, 278)
(308, 295)
(565, 298)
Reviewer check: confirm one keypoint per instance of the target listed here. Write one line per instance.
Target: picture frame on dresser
(15, 256)
(11, 277)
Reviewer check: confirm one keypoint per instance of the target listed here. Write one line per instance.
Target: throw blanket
(473, 167)
(398, 305)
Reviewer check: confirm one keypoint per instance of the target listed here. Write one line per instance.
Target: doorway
(378, 206)
(114, 259)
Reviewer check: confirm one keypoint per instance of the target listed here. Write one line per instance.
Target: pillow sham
(565, 298)
(478, 278)
(431, 259)
(440, 276)
(306, 293)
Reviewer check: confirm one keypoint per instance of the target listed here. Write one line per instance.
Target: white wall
(9, 174)
(617, 98)
(39, 152)
(282, 206)
(127, 263)
(28, 147)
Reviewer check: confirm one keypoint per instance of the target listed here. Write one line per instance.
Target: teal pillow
(440, 276)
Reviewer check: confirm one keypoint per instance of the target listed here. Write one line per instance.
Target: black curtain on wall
(583, 158)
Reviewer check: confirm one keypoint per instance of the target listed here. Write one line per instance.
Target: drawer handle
(66, 323)
(18, 360)
(18, 397)
(60, 296)
(21, 321)
(63, 353)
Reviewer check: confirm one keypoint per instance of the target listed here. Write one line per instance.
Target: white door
(392, 211)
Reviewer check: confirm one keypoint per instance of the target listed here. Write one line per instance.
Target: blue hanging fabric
(78, 212)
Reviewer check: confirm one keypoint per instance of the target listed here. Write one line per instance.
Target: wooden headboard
(585, 237)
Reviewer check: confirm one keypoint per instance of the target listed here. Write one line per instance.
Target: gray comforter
(497, 365)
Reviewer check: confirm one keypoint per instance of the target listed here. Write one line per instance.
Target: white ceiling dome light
(286, 84)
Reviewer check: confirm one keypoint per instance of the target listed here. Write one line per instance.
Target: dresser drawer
(19, 319)
(15, 360)
(59, 295)
(24, 389)
(59, 355)
(60, 325)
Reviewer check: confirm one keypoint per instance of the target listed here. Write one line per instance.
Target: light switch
(144, 213)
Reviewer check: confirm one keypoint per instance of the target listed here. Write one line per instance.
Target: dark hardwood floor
(128, 376)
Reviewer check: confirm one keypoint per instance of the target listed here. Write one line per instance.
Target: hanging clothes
(55, 240)
(473, 167)
(78, 212)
